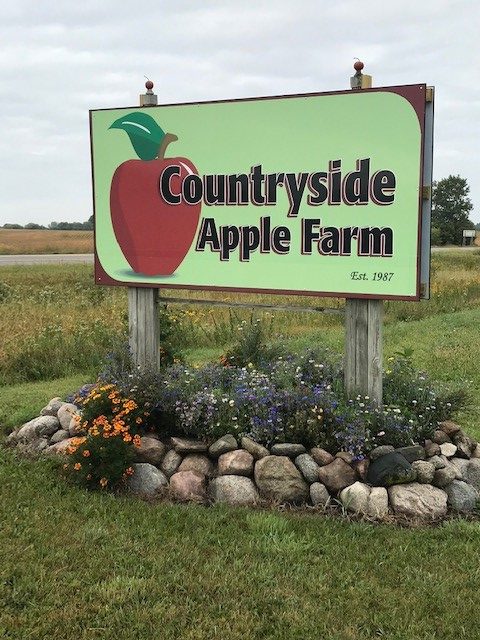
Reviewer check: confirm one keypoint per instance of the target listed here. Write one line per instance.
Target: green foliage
(250, 347)
(451, 207)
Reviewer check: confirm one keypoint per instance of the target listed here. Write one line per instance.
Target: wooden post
(143, 319)
(363, 323)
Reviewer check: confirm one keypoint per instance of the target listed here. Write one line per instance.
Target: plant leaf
(144, 133)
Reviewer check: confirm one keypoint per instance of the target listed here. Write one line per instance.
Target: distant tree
(71, 226)
(34, 225)
(451, 207)
(10, 225)
(477, 226)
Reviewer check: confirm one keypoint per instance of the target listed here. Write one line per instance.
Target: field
(34, 241)
(127, 569)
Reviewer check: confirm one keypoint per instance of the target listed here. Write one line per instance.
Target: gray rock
(44, 426)
(425, 471)
(319, 495)
(188, 486)
(278, 479)
(476, 451)
(287, 449)
(222, 445)
(60, 448)
(382, 450)
(460, 465)
(449, 427)
(440, 437)
(321, 457)
(146, 480)
(307, 466)
(472, 473)
(52, 407)
(184, 446)
(235, 463)
(461, 496)
(234, 490)
(392, 468)
(199, 464)
(257, 450)
(448, 449)
(432, 448)
(444, 477)
(418, 501)
(11, 439)
(465, 445)
(65, 413)
(171, 462)
(337, 475)
(438, 462)
(58, 436)
(412, 453)
(151, 450)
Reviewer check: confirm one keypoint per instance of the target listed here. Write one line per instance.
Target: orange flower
(127, 437)
(77, 466)
(139, 421)
(103, 482)
(86, 453)
(65, 466)
(136, 440)
(129, 471)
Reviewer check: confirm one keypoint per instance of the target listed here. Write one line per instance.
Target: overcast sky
(61, 58)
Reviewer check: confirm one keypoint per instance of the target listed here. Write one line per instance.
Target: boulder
(171, 462)
(201, 465)
(146, 480)
(278, 479)
(307, 466)
(337, 475)
(257, 450)
(65, 413)
(319, 495)
(361, 467)
(235, 463)
(460, 465)
(361, 499)
(234, 490)
(461, 496)
(432, 448)
(438, 461)
(380, 451)
(440, 437)
(418, 501)
(321, 456)
(448, 449)
(222, 445)
(424, 471)
(51, 409)
(59, 435)
(449, 427)
(287, 449)
(188, 486)
(476, 451)
(184, 446)
(151, 450)
(60, 448)
(392, 468)
(412, 453)
(345, 456)
(472, 473)
(41, 427)
(465, 445)
(444, 477)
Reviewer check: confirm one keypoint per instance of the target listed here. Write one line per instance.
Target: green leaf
(144, 133)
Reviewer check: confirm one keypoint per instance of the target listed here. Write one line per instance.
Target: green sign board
(316, 194)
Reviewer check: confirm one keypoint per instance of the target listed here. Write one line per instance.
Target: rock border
(421, 482)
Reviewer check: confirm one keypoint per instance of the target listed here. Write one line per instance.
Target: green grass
(76, 565)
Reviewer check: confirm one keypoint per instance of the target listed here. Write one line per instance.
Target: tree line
(56, 226)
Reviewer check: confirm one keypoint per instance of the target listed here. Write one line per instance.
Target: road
(56, 258)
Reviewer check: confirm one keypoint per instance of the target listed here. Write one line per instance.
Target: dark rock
(380, 451)
(222, 445)
(321, 456)
(461, 496)
(443, 477)
(257, 450)
(432, 448)
(278, 479)
(345, 456)
(184, 446)
(361, 467)
(234, 490)
(412, 453)
(390, 469)
(287, 449)
(465, 445)
(337, 475)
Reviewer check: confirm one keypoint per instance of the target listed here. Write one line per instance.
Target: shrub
(102, 459)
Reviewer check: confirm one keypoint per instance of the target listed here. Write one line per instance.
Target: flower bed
(279, 430)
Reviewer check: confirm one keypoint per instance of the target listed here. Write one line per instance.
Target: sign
(316, 194)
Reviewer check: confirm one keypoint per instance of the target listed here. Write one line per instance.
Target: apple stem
(168, 138)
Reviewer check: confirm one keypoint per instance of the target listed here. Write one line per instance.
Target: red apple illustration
(154, 236)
